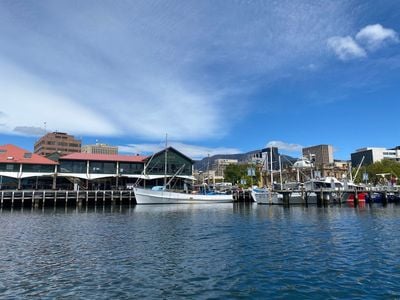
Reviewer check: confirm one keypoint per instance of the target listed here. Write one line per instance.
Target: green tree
(385, 166)
(234, 173)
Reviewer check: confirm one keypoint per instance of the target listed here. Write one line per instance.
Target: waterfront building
(98, 171)
(57, 142)
(22, 169)
(99, 148)
(370, 155)
(320, 154)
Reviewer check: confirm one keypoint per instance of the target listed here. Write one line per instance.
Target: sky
(216, 77)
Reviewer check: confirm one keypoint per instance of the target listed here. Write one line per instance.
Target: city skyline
(217, 78)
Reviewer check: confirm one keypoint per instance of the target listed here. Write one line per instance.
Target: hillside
(201, 165)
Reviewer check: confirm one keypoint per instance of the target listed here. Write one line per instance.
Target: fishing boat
(265, 196)
(161, 195)
(167, 194)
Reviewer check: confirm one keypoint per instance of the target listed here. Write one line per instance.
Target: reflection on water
(200, 251)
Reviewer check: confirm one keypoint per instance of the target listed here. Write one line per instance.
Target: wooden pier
(49, 198)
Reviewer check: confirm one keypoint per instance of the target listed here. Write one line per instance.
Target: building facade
(57, 142)
(370, 155)
(99, 149)
(20, 169)
(321, 155)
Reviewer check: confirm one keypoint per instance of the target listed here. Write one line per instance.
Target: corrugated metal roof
(13, 154)
(103, 157)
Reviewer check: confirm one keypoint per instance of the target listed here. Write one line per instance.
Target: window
(130, 168)
(38, 168)
(71, 166)
(102, 167)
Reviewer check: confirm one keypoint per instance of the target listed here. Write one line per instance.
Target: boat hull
(146, 196)
(274, 198)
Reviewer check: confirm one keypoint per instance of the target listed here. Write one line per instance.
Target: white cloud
(285, 146)
(30, 130)
(145, 68)
(192, 151)
(375, 36)
(346, 48)
(369, 38)
(27, 103)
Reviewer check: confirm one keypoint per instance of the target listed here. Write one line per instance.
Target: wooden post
(130, 197)
(320, 197)
(120, 197)
(385, 198)
(55, 198)
(112, 197)
(95, 198)
(87, 197)
(286, 198)
(12, 199)
(44, 198)
(33, 199)
(2, 198)
(66, 198)
(23, 198)
(355, 199)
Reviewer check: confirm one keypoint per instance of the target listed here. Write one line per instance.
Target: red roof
(13, 154)
(103, 157)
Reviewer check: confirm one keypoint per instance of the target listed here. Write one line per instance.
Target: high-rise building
(100, 149)
(57, 142)
(320, 154)
(267, 154)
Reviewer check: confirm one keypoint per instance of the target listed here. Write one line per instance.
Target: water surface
(201, 251)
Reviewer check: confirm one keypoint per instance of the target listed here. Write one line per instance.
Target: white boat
(265, 196)
(164, 195)
(159, 195)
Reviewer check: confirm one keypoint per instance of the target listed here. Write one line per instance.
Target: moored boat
(160, 195)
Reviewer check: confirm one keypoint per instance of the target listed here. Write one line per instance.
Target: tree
(234, 173)
(385, 166)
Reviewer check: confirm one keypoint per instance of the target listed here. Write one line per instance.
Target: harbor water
(200, 252)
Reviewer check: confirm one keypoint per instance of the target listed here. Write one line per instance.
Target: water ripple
(204, 251)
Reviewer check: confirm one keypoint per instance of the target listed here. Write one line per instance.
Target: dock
(50, 198)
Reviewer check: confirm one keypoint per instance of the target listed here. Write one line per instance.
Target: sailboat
(266, 195)
(162, 195)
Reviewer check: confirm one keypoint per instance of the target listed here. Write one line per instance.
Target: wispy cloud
(285, 146)
(142, 68)
(30, 130)
(369, 38)
(28, 102)
(346, 48)
(193, 151)
(376, 36)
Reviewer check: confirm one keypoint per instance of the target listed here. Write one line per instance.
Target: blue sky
(217, 76)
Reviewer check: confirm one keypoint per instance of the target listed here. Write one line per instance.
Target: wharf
(330, 196)
(48, 198)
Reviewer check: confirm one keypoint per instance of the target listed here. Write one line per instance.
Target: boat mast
(280, 172)
(165, 161)
(272, 175)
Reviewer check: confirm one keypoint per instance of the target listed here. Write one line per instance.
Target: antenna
(45, 126)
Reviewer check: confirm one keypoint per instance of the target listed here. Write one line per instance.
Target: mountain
(207, 162)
